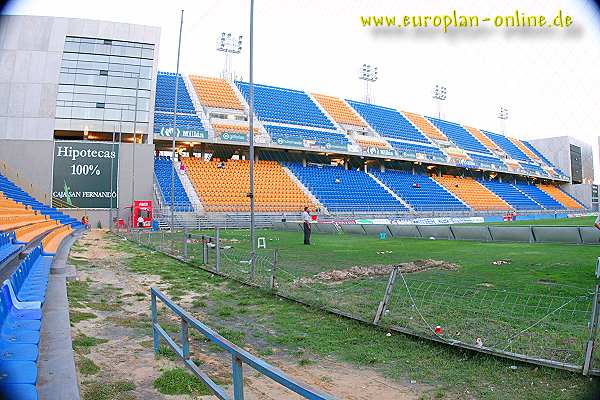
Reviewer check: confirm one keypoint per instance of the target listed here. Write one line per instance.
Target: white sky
(549, 80)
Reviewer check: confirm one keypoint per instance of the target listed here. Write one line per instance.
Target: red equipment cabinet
(142, 208)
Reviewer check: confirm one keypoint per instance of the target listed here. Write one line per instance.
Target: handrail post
(204, 250)
(593, 326)
(383, 305)
(218, 249)
(274, 269)
(185, 242)
(185, 339)
(238, 377)
(154, 312)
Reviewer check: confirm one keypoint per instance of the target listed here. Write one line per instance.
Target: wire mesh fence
(555, 328)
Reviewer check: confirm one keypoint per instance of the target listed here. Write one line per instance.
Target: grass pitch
(254, 317)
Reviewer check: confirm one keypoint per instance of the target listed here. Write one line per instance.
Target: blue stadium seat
(512, 195)
(486, 160)
(18, 391)
(8, 247)
(460, 136)
(539, 196)
(162, 173)
(421, 192)
(388, 122)
(164, 104)
(354, 191)
(275, 104)
(541, 156)
(509, 147)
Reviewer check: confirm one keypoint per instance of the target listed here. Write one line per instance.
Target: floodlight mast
(229, 44)
(503, 116)
(369, 74)
(439, 94)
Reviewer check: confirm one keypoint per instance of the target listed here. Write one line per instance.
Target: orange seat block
(9, 222)
(487, 142)
(225, 189)
(215, 92)
(339, 111)
(560, 196)
(53, 240)
(473, 193)
(425, 126)
(29, 232)
(524, 149)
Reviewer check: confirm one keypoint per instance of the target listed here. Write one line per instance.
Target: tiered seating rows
(342, 190)
(215, 92)
(421, 192)
(162, 172)
(473, 193)
(275, 104)
(339, 111)
(561, 196)
(224, 187)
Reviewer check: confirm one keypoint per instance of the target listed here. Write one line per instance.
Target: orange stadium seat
(225, 189)
(524, 149)
(473, 193)
(483, 139)
(560, 196)
(338, 110)
(425, 126)
(215, 92)
(52, 241)
(370, 141)
(12, 222)
(27, 233)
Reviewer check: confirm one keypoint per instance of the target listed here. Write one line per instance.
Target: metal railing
(239, 356)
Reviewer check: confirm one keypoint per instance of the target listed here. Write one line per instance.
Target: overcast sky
(549, 80)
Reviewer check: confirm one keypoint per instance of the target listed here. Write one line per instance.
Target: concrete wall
(30, 57)
(582, 192)
(557, 150)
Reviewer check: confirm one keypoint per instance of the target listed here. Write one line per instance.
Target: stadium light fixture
(368, 73)
(503, 116)
(439, 95)
(229, 44)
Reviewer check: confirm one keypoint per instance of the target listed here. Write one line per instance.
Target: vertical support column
(237, 377)
(185, 242)
(204, 250)
(154, 313)
(593, 326)
(185, 339)
(218, 249)
(383, 304)
(274, 270)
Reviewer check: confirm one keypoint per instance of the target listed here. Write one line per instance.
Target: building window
(103, 72)
(99, 105)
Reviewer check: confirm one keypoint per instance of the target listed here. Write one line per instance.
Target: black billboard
(82, 174)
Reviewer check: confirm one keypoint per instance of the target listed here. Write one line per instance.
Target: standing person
(306, 224)
(140, 222)
(597, 222)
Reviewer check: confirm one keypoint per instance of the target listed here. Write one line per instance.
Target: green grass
(87, 366)
(78, 316)
(269, 322)
(179, 381)
(83, 343)
(119, 390)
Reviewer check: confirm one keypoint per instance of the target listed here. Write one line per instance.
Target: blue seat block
(18, 372)
(18, 352)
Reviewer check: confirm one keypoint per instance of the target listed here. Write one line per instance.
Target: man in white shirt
(306, 224)
(140, 222)
(597, 223)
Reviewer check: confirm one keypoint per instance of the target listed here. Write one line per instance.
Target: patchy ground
(109, 310)
(357, 272)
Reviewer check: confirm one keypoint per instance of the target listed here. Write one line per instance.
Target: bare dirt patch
(120, 302)
(335, 276)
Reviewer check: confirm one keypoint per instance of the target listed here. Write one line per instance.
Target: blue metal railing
(239, 356)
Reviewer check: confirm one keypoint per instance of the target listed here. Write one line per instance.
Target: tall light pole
(439, 94)
(368, 73)
(503, 116)
(251, 140)
(229, 44)
(175, 130)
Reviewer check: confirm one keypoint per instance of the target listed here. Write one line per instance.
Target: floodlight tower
(503, 116)
(439, 94)
(229, 44)
(368, 73)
